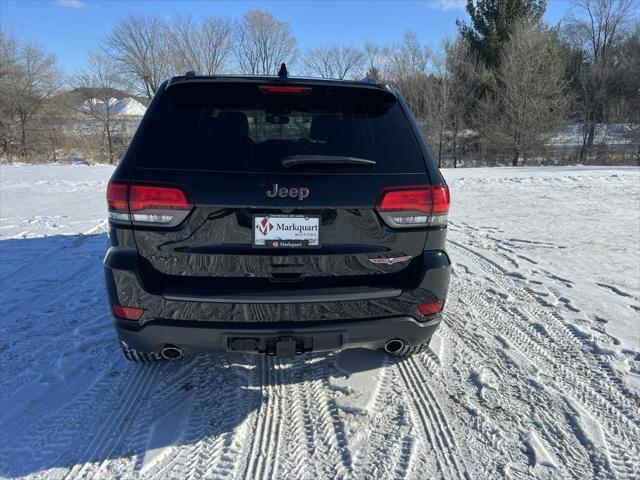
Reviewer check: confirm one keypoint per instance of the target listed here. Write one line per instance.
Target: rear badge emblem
(389, 261)
(299, 193)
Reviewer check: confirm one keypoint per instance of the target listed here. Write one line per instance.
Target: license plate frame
(285, 243)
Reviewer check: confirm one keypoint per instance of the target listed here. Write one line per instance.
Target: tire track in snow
(298, 462)
(608, 395)
(522, 399)
(262, 459)
(79, 408)
(324, 429)
(186, 464)
(209, 449)
(103, 444)
(592, 384)
(385, 449)
(430, 416)
(335, 436)
(168, 397)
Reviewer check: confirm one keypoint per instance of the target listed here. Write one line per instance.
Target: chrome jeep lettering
(283, 192)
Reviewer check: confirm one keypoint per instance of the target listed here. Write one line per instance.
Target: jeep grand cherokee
(276, 216)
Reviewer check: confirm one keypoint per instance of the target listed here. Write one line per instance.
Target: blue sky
(69, 28)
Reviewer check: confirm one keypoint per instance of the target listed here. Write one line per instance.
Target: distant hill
(126, 106)
(120, 102)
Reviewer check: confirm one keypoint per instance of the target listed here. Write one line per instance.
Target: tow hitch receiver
(283, 344)
(285, 347)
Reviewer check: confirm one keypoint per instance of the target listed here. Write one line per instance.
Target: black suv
(276, 216)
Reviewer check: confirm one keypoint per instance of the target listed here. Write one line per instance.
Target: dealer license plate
(286, 231)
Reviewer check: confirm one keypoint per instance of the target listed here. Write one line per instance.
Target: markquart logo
(265, 226)
(299, 228)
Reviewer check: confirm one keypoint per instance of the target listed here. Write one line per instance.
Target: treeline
(509, 89)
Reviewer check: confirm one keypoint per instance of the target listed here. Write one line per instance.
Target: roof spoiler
(367, 84)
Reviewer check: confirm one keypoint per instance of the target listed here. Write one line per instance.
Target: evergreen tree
(492, 21)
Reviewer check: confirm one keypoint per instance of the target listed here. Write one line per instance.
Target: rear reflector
(414, 206)
(430, 308)
(284, 90)
(147, 204)
(127, 313)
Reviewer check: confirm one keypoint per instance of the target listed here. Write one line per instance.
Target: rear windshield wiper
(294, 160)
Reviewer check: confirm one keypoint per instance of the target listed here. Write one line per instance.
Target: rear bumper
(196, 337)
(316, 320)
(128, 285)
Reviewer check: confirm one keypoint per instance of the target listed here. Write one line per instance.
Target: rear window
(237, 128)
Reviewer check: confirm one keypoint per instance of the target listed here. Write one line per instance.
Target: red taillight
(410, 199)
(118, 196)
(414, 206)
(130, 203)
(144, 197)
(127, 313)
(284, 90)
(430, 308)
(441, 198)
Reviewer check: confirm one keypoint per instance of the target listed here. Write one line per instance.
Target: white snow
(534, 374)
(126, 106)
(604, 133)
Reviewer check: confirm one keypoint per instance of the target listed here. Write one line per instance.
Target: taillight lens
(415, 206)
(431, 307)
(118, 196)
(118, 201)
(147, 204)
(144, 197)
(284, 90)
(127, 313)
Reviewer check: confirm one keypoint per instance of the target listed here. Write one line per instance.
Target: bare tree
(8, 113)
(438, 97)
(333, 62)
(97, 84)
(138, 47)
(532, 89)
(372, 61)
(54, 115)
(29, 77)
(262, 43)
(595, 28)
(463, 69)
(407, 70)
(409, 59)
(203, 45)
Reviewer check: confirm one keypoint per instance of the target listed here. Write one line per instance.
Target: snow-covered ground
(535, 372)
(612, 134)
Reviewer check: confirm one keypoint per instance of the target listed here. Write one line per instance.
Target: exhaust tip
(171, 352)
(394, 346)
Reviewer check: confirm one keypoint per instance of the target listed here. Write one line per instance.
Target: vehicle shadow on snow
(69, 398)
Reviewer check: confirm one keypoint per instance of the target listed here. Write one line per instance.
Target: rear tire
(139, 357)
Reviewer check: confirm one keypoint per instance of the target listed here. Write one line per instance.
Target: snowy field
(534, 374)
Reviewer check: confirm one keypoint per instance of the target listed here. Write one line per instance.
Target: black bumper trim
(371, 334)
